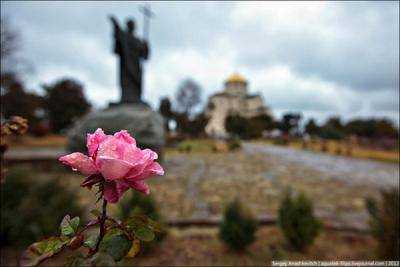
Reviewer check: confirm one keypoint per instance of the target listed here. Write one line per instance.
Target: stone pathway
(349, 170)
(201, 210)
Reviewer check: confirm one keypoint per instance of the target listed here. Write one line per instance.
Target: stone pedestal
(144, 124)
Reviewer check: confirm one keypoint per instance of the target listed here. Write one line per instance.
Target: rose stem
(102, 224)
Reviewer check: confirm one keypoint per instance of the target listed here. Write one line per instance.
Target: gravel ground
(350, 170)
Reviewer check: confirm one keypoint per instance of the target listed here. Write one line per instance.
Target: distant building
(234, 99)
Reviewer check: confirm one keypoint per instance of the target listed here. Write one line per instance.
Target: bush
(384, 224)
(331, 133)
(234, 144)
(32, 209)
(136, 204)
(237, 229)
(184, 147)
(281, 141)
(297, 221)
(65, 103)
(247, 128)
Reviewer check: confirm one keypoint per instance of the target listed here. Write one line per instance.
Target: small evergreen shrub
(297, 222)
(384, 224)
(139, 204)
(31, 209)
(234, 144)
(238, 228)
(184, 147)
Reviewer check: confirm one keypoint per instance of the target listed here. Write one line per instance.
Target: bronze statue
(131, 51)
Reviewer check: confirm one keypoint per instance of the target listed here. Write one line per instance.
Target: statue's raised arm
(117, 34)
(114, 21)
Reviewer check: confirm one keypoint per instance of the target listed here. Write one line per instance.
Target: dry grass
(333, 148)
(194, 247)
(206, 146)
(341, 148)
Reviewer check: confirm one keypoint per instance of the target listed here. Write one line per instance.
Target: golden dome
(236, 78)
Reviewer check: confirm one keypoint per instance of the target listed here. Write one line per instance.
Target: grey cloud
(388, 102)
(304, 102)
(363, 54)
(385, 105)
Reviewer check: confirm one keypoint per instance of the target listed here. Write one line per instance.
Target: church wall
(255, 106)
(233, 100)
(238, 89)
(216, 123)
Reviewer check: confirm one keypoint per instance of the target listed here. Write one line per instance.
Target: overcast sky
(319, 58)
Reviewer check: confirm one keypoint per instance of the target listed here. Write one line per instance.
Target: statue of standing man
(131, 51)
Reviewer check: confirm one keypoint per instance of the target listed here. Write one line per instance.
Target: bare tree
(9, 45)
(188, 96)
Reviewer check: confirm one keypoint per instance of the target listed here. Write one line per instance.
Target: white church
(234, 99)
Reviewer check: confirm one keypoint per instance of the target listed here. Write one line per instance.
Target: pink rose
(116, 161)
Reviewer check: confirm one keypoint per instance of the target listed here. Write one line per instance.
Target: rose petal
(134, 155)
(152, 169)
(140, 186)
(110, 192)
(152, 155)
(112, 147)
(93, 141)
(135, 171)
(113, 190)
(125, 136)
(155, 169)
(79, 162)
(142, 160)
(112, 168)
(122, 186)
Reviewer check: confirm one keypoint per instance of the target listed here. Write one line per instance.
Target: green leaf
(41, 250)
(91, 241)
(102, 259)
(134, 222)
(155, 226)
(142, 227)
(140, 220)
(75, 223)
(69, 227)
(65, 226)
(144, 234)
(54, 245)
(114, 231)
(115, 244)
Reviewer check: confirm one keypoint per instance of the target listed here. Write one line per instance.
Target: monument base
(144, 124)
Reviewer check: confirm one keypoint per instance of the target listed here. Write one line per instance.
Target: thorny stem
(102, 224)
